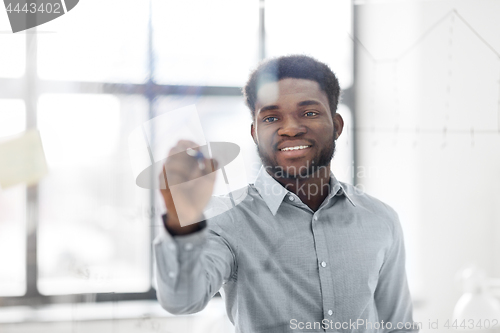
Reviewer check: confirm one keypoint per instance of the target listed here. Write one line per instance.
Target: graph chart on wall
(428, 68)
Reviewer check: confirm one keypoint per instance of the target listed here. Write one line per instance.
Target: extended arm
(190, 264)
(190, 269)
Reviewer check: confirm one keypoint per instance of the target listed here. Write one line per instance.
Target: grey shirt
(285, 268)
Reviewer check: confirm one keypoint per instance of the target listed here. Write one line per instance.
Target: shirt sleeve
(190, 269)
(392, 296)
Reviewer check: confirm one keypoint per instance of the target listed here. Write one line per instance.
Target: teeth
(294, 148)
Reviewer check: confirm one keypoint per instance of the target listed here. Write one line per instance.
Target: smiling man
(302, 251)
(295, 134)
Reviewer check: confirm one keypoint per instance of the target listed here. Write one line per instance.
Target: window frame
(29, 88)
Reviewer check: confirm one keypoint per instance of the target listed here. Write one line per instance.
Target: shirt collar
(272, 192)
(338, 189)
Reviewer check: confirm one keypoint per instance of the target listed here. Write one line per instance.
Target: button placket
(325, 273)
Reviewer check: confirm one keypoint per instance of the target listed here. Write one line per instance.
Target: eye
(311, 113)
(270, 119)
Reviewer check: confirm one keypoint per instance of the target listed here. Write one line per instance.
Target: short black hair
(296, 67)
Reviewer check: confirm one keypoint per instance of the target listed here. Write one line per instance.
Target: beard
(321, 160)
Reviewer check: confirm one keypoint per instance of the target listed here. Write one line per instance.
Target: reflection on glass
(86, 47)
(94, 224)
(12, 211)
(223, 119)
(201, 42)
(320, 28)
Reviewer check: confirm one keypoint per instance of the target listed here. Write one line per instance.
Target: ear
(252, 132)
(338, 122)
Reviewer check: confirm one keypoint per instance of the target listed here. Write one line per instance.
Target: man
(302, 251)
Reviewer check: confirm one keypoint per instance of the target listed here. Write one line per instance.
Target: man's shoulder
(367, 202)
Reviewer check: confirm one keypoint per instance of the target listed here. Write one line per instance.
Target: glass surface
(12, 211)
(343, 161)
(94, 229)
(228, 119)
(12, 117)
(223, 119)
(12, 46)
(96, 41)
(13, 241)
(319, 28)
(201, 42)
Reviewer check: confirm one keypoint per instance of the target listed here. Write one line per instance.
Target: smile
(294, 148)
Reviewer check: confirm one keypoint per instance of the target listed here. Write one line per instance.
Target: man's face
(293, 127)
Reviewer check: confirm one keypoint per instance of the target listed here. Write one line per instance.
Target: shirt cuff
(201, 225)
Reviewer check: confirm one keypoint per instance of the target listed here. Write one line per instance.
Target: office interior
(420, 84)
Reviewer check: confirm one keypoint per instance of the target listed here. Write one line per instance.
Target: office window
(195, 48)
(319, 28)
(13, 241)
(342, 164)
(12, 211)
(93, 230)
(13, 54)
(12, 117)
(87, 47)
(91, 226)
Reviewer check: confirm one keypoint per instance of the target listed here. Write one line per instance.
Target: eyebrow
(275, 107)
(268, 108)
(308, 102)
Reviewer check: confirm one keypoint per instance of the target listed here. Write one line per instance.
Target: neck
(312, 189)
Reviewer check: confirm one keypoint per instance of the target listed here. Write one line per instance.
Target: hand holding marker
(199, 157)
(201, 164)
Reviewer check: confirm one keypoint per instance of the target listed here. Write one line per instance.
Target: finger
(181, 146)
(187, 144)
(211, 165)
(181, 171)
(182, 161)
(163, 179)
(177, 173)
(175, 150)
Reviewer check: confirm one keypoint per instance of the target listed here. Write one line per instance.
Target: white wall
(428, 108)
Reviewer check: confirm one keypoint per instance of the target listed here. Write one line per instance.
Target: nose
(291, 127)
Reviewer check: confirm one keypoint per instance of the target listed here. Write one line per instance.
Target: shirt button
(171, 274)
(291, 198)
(315, 218)
(330, 312)
(188, 246)
(323, 264)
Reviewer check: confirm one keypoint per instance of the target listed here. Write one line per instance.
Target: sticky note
(22, 160)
